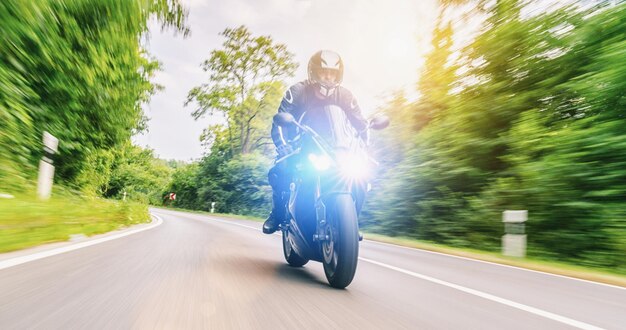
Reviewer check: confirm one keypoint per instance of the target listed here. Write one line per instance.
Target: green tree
(392, 207)
(535, 122)
(132, 170)
(75, 68)
(184, 183)
(438, 76)
(565, 162)
(244, 181)
(237, 185)
(461, 151)
(243, 86)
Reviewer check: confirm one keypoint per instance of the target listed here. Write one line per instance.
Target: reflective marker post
(46, 169)
(212, 207)
(514, 240)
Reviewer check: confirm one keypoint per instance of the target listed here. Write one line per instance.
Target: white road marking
(510, 303)
(529, 309)
(233, 223)
(495, 264)
(278, 233)
(453, 256)
(212, 218)
(44, 254)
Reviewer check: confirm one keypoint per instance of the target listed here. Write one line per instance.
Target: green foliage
(184, 183)
(136, 172)
(244, 180)
(238, 185)
(126, 169)
(76, 69)
(244, 87)
(96, 172)
(402, 182)
(534, 121)
(572, 182)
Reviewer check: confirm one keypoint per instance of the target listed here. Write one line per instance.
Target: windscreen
(333, 126)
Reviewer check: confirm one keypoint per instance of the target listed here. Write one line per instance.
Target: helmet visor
(327, 77)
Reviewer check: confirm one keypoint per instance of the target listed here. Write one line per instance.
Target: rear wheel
(293, 259)
(341, 251)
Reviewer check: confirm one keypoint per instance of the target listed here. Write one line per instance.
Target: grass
(592, 274)
(26, 221)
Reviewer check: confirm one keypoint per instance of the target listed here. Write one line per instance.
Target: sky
(382, 43)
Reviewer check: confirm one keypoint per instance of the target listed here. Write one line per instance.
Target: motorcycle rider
(322, 88)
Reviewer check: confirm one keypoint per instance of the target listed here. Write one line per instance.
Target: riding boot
(271, 224)
(277, 180)
(276, 216)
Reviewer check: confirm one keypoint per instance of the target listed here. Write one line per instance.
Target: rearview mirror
(283, 119)
(379, 122)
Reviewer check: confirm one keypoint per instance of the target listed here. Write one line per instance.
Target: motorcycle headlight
(354, 166)
(320, 162)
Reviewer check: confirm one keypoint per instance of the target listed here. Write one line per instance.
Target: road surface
(199, 272)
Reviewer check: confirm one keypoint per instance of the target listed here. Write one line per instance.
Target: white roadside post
(514, 239)
(212, 207)
(46, 169)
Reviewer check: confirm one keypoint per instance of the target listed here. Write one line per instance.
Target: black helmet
(320, 65)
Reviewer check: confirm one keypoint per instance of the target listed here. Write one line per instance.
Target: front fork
(321, 233)
(320, 211)
(320, 215)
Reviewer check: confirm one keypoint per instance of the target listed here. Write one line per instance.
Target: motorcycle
(331, 169)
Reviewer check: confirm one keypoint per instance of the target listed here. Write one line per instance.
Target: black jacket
(301, 97)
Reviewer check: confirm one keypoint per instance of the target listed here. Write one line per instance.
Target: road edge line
(510, 303)
(44, 254)
(497, 264)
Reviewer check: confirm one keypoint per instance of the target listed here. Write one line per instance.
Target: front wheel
(293, 259)
(341, 251)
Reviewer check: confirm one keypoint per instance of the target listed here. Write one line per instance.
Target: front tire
(341, 252)
(293, 259)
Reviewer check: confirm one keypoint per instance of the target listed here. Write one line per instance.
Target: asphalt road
(199, 272)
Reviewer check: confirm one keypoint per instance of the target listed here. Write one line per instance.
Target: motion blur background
(518, 105)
